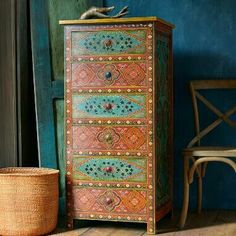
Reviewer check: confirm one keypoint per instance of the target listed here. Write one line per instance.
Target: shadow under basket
(28, 200)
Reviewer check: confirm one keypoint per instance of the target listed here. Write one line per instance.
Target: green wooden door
(48, 62)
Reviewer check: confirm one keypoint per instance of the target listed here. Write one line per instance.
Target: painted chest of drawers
(118, 119)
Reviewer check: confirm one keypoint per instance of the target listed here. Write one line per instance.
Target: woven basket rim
(27, 171)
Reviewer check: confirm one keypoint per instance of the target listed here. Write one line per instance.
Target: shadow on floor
(207, 221)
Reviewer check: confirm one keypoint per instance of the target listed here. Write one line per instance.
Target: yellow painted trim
(116, 20)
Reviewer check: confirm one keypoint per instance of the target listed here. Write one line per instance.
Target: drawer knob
(108, 75)
(108, 43)
(108, 106)
(108, 137)
(109, 200)
(108, 169)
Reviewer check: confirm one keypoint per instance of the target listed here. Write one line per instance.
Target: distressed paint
(123, 202)
(109, 74)
(110, 169)
(163, 192)
(105, 138)
(42, 84)
(109, 106)
(59, 121)
(95, 126)
(108, 42)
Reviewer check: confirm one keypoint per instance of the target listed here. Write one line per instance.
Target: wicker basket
(28, 201)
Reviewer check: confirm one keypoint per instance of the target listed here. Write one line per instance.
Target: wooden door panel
(47, 52)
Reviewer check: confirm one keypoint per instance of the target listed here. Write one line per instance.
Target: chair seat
(210, 151)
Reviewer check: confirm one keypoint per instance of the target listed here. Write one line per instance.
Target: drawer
(101, 200)
(109, 74)
(106, 168)
(108, 42)
(105, 138)
(109, 106)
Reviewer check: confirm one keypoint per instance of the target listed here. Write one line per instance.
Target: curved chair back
(197, 85)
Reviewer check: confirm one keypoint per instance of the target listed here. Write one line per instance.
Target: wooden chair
(198, 155)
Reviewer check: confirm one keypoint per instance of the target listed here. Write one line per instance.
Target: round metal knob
(108, 42)
(108, 137)
(108, 106)
(108, 169)
(108, 75)
(109, 200)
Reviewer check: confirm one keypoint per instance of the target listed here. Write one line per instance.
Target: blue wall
(204, 47)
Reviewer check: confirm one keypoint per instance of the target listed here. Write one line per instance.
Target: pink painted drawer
(109, 201)
(99, 74)
(105, 138)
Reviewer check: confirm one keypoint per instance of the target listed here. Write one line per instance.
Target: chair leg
(185, 205)
(199, 199)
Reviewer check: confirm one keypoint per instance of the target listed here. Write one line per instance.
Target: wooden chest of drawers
(118, 119)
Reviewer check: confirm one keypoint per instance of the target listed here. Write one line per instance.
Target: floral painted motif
(101, 74)
(108, 137)
(110, 169)
(109, 42)
(102, 138)
(108, 73)
(109, 106)
(109, 200)
(117, 201)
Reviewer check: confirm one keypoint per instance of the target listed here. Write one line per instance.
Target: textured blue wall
(204, 47)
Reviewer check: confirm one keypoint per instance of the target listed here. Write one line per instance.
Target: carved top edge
(115, 21)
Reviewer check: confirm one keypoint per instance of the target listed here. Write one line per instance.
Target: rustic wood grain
(99, 231)
(209, 223)
(8, 93)
(42, 84)
(128, 232)
(62, 232)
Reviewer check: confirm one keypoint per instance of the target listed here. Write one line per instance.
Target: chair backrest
(197, 85)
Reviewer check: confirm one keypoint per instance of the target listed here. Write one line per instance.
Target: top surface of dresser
(117, 20)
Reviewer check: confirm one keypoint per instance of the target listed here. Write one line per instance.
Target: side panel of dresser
(164, 125)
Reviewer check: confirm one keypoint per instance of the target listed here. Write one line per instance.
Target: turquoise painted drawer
(109, 169)
(108, 42)
(109, 106)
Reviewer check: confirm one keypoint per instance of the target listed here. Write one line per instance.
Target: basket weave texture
(28, 201)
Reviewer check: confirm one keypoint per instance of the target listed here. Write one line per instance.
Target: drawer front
(106, 168)
(105, 138)
(116, 201)
(109, 74)
(109, 106)
(108, 42)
